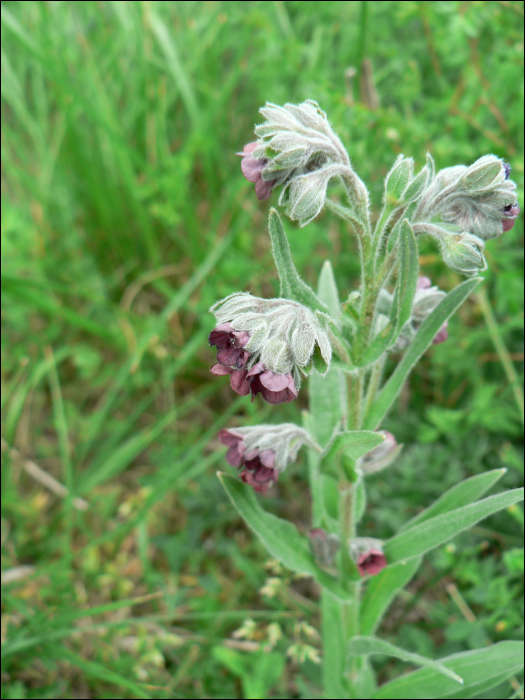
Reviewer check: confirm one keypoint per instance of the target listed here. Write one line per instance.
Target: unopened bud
(381, 456)
(324, 546)
(397, 179)
(484, 173)
(418, 185)
(463, 252)
(307, 193)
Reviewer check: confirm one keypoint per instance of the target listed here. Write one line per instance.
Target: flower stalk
(269, 346)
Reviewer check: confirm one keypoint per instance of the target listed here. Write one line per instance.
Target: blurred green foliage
(124, 217)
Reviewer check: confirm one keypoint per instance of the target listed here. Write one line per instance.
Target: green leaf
(406, 279)
(459, 495)
(352, 444)
(327, 289)
(421, 342)
(382, 589)
(292, 286)
(431, 533)
(359, 646)
(382, 341)
(483, 666)
(280, 537)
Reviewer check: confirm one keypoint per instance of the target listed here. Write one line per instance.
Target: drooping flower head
(264, 344)
(475, 199)
(262, 452)
(368, 555)
(297, 148)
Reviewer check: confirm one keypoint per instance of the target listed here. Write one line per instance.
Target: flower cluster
(262, 452)
(263, 344)
(475, 203)
(298, 149)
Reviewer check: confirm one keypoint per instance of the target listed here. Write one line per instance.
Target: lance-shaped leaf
(421, 342)
(407, 277)
(481, 669)
(280, 537)
(361, 646)
(352, 444)
(401, 309)
(381, 591)
(292, 286)
(431, 533)
(461, 494)
(327, 289)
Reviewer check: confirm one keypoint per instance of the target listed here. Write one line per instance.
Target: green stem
(373, 384)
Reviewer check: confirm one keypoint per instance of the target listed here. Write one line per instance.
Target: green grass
(124, 217)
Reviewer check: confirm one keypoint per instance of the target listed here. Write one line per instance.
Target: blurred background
(124, 217)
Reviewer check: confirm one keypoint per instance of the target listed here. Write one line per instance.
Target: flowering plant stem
(266, 346)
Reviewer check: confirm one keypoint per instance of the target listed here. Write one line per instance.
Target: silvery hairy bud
(401, 187)
(381, 456)
(475, 198)
(324, 546)
(298, 149)
(461, 251)
(263, 344)
(262, 452)
(368, 555)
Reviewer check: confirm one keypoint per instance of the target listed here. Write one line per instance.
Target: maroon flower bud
(261, 478)
(274, 388)
(511, 212)
(230, 345)
(252, 170)
(371, 562)
(368, 555)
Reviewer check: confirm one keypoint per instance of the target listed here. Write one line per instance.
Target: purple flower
(230, 345)
(367, 553)
(371, 562)
(237, 378)
(258, 466)
(511, 212)
(507, 169)
(274, 388)
(252, 170)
